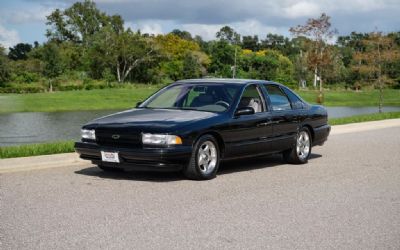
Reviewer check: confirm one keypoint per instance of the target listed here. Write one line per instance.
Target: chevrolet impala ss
(193, 125)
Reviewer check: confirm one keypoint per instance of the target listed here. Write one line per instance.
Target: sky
(25, 20)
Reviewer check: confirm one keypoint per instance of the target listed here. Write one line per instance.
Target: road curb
(40, 162)
(73, 160)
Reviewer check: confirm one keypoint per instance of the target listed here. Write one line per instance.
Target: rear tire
(204, 162)
(300, 153)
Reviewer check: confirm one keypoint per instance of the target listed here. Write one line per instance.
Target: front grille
(126, 137)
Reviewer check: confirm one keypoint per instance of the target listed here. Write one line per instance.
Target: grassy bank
(97, 99)
(123, 98)
(37, 149)
(68, 146)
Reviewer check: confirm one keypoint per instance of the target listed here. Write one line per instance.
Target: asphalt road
(347, 197)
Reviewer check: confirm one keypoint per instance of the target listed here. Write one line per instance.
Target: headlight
(88, 134)
(154, 139)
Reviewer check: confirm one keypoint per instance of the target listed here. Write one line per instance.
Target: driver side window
(252, 98)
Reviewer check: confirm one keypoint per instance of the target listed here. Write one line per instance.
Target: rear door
(284, 118)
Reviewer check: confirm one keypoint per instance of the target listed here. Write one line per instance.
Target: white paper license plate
(109, 156)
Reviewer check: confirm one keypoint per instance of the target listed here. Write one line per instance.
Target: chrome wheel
(303, 145)
(207, 157)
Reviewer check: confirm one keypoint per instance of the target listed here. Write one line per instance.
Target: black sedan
(192, 125)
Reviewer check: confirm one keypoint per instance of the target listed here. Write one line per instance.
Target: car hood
(151, 118)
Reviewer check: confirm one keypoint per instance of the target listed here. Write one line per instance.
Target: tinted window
(252, 98)
(279, 100)
(297, 103)
(205, 97)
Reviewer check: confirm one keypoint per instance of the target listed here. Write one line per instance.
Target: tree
(351, 44)
(319, 31)
(222, 58)
(4, 68)
(182, 57)
(266, 65)
(229, 35)
(122, 52)
(79, 22)
(250, 42)
(19, 51)
(191, 66)
(279, 43)
(53, 67)
(182, 34)
(370, 63)
(299, 59)
(336, 71)
(71, 56)
(131, 50)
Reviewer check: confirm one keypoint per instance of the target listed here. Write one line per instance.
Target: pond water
(37, 127)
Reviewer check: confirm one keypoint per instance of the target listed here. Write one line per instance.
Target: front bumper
(138, 159)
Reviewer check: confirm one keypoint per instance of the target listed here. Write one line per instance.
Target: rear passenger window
(297, 103)
(279, 100)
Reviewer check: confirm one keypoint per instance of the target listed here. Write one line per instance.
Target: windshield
(204, 97)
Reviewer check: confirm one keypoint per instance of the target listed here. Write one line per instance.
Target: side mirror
(138, 104)
(244, 111)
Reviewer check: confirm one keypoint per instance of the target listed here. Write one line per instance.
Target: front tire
(204, 162)
(300, 153)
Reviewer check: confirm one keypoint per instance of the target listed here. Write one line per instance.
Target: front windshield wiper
(181, 108)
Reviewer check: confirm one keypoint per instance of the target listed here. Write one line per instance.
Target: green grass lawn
(122, 98)
(98, 99)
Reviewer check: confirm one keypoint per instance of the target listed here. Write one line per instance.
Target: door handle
(263, 124)
(289, 117)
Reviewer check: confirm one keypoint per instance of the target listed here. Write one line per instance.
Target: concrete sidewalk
(72, 159)
(364, 126)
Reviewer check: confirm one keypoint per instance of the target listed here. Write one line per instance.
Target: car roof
(223, 80)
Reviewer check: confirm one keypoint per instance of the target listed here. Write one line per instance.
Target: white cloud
(8, 38)
(254, 27)
(206, 31)
(357, 6)
(148, 26)
(302, 9)
(206, 17)
(247, 27)
(27, 16)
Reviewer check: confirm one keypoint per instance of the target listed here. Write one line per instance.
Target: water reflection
(337, 112)
(35, 127)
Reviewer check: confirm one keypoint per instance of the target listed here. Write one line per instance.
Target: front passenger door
(248, 134)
